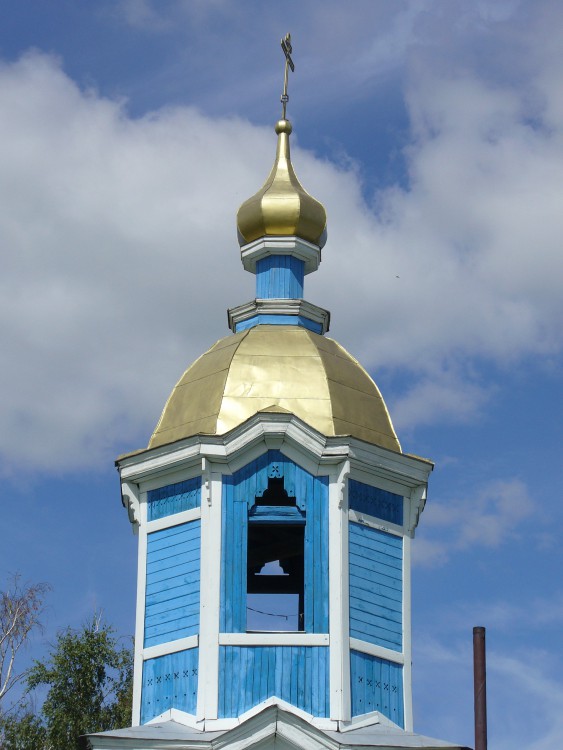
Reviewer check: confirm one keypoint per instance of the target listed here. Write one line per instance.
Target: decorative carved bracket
(131, 500)
(343, 475)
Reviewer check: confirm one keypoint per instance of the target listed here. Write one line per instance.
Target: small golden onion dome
(282, 207)
(276, 368)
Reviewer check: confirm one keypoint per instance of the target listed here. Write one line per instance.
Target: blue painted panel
(239, 493)
(279, 277)
(375, 502)
(279, 320)
(316, 552)
(169, 681)
(233, 556)
(251, 674)
(173, 498)
(376, 583)
(376, 685)
(172, 586)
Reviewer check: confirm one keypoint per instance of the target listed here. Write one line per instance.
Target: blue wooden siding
(279, 277)
(239, 492)
(376, 573)
(279, 320)
(169, 681)
(172, 590)
(375, 502)
(250, 674)
(376, 685)
(173, 498)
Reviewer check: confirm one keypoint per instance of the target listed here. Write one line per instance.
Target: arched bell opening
(275, 562)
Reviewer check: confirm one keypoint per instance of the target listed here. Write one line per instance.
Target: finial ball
(283, 126)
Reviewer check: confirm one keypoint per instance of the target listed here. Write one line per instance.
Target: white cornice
(403, 474)
(309, 253)
(276, 306)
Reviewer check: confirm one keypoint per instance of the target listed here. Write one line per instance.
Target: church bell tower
(275, 510)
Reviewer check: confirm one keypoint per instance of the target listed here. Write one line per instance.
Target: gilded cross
(287, 50)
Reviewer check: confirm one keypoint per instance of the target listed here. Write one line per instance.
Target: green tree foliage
(88, 678)
(22, 731)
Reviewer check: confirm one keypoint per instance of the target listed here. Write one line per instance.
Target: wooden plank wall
(173, 498)
(173, 582)
(279, 277)
(170, 681)
(375, 502)
(376, 685)
(251, 674)
(239, 492)
(376, 572)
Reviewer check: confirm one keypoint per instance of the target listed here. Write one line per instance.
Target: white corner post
(140, 612)
(339, 627)
(210, 592)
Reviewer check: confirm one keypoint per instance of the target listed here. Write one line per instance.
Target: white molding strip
(181, 717)
(373, 650)
(210, 594)
(339, 608)
(166, 522)
(407, 640)
(402, 472)
(376, 523)
(281, 245)
(274, 639)
(140, 611)
(170, 647)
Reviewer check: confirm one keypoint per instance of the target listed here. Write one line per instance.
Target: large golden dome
(276, 367)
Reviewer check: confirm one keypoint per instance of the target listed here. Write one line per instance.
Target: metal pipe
(480, 688)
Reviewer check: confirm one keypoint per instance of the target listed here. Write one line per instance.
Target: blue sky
(130, 131)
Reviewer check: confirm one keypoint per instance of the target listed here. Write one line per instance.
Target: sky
(432, 131)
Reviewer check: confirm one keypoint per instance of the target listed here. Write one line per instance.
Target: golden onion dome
(276, 368)
(282, 207)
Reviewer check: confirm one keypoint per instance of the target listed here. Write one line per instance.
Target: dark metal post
(480, 688)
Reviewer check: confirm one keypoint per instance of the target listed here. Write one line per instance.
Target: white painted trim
(257, 731)
(366, 720)
(407, 634)
(140, 611)
(274, 639)
(130, 497)
(276, 306)
(414, 508)
(305, 737)
(339, 615)
(181, 717)
(254, 251)
(374, 650)
(378, 464)
(166, 522)
(156, 463)
(170, 647)
(375, 523)
(210, 594)
(275, 701)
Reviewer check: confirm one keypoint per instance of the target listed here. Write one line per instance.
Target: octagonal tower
(275, 510)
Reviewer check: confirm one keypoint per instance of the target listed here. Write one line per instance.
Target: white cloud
(488, 518)
(524, 694)
(121, 256)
